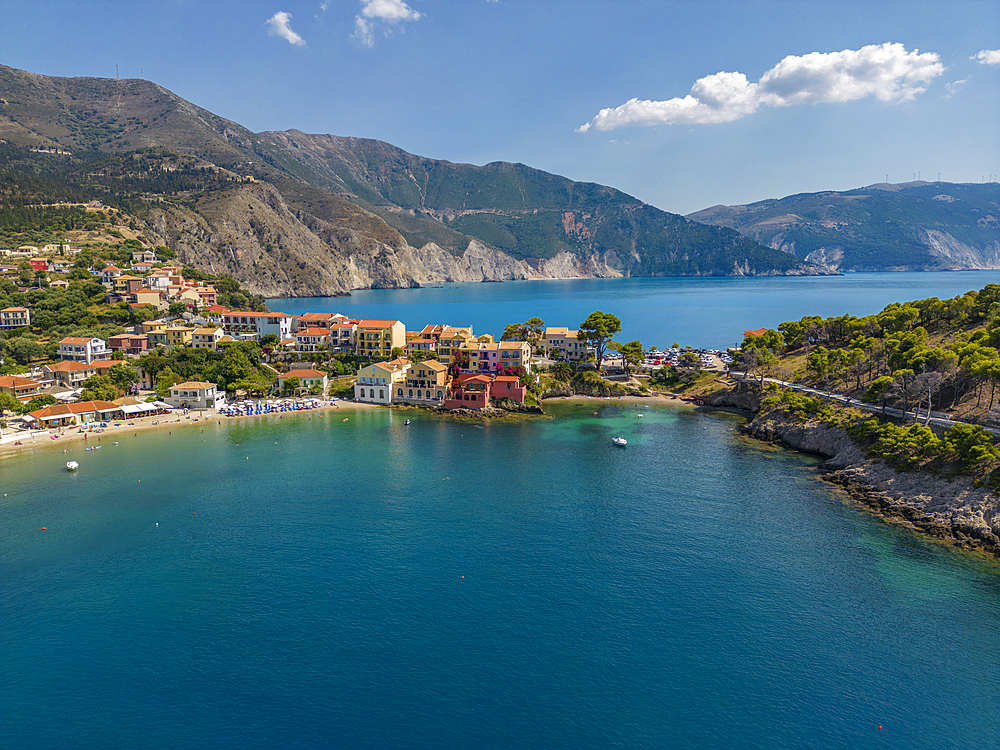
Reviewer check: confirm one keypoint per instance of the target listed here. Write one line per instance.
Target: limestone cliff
(952, 508)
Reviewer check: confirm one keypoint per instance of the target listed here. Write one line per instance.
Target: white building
(250, 326)
(80, 349)
(194, 394)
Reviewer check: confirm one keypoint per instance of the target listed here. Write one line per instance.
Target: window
(381, 394)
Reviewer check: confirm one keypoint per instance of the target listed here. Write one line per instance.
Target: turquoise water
(710, 313)
(362, 584)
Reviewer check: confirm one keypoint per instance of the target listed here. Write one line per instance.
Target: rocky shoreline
(953, 509)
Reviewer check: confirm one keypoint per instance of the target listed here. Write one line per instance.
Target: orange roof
(304, 374)
(376, 323)
(13, 381)
(756, 332)
(68, 366)
(193, 384)
(75, 340)
(313, 332)
(80, 407)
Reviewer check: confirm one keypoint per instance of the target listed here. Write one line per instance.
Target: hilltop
(915, 226)
(291, 214)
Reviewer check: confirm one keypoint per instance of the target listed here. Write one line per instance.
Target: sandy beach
(76, 439)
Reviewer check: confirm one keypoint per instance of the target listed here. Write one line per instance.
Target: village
(446, 367)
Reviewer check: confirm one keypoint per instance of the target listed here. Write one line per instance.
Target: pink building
(469, 392)
(508, 386)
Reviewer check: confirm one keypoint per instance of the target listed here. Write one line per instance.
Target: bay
(313, 582)
(700, 312)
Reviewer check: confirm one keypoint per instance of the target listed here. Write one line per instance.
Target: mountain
(915, 226)
(292, 214)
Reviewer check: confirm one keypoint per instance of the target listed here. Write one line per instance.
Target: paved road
(936, 418)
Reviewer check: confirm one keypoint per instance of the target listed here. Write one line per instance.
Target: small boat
(407, 421)
(619, 441)
(72, 466)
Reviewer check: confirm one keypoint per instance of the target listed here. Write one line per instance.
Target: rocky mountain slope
(916, 226)
(294, 214)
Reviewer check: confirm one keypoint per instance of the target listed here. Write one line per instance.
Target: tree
(291, 384)
(597, 331)
(123, 376)
(9, 403)
(879, 391)
(235, 365)
(99, 388)
(177, 308)
(38, 402)
(562, 371)
(632, 356)
(164, 380)
(24, 273)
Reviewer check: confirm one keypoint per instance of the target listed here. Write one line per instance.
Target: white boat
(619, 441)
(72, 466)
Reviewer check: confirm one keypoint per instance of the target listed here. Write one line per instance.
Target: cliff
(950, 508)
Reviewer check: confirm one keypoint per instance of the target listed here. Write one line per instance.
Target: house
(318, 320)
(432, 332)
(170, 336)
(312, 340)
(15, 317)
(81, 412)
(147, 296)
(148, 326)
(194, 394)
(508, 386)
(142, 267)
(377, 338)
(126, 285)
(206, 337)
(207, 295)
(109, 274)
(497, 358)
(82, 349)
(376, 382)
(307, 379)
(562, 343)
(69, 374)
(39, 264)
(214, 313)
(143, 256)
(426, 384)
(130, 344)
(469, 392)
(23, 389)
(343, 336)
(251, 326)
(421, 345)
(449, 340)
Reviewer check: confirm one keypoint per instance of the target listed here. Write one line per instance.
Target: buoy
(43, 529)
(157, 523)
(879, 726)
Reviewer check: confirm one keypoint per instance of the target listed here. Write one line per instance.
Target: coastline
(73, 440)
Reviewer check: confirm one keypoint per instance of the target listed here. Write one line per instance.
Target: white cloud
(954, 87)
(987, 57)
(384, 14)
(887, 71)
(278, 25)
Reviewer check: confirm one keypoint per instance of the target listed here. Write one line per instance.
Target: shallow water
(319, 583)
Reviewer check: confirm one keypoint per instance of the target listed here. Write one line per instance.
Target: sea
(343, 580)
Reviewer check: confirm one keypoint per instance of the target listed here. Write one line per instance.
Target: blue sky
(733, 101)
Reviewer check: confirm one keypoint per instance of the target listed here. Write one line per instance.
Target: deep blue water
(361, 584)
(710, 313)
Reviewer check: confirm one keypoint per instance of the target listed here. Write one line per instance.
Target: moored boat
(72, 466)
(619, 441)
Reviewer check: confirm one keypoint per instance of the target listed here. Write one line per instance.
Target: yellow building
(377, 338)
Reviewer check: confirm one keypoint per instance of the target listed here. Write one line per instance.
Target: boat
(619, 441)
(407, 421)
(72, 466)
